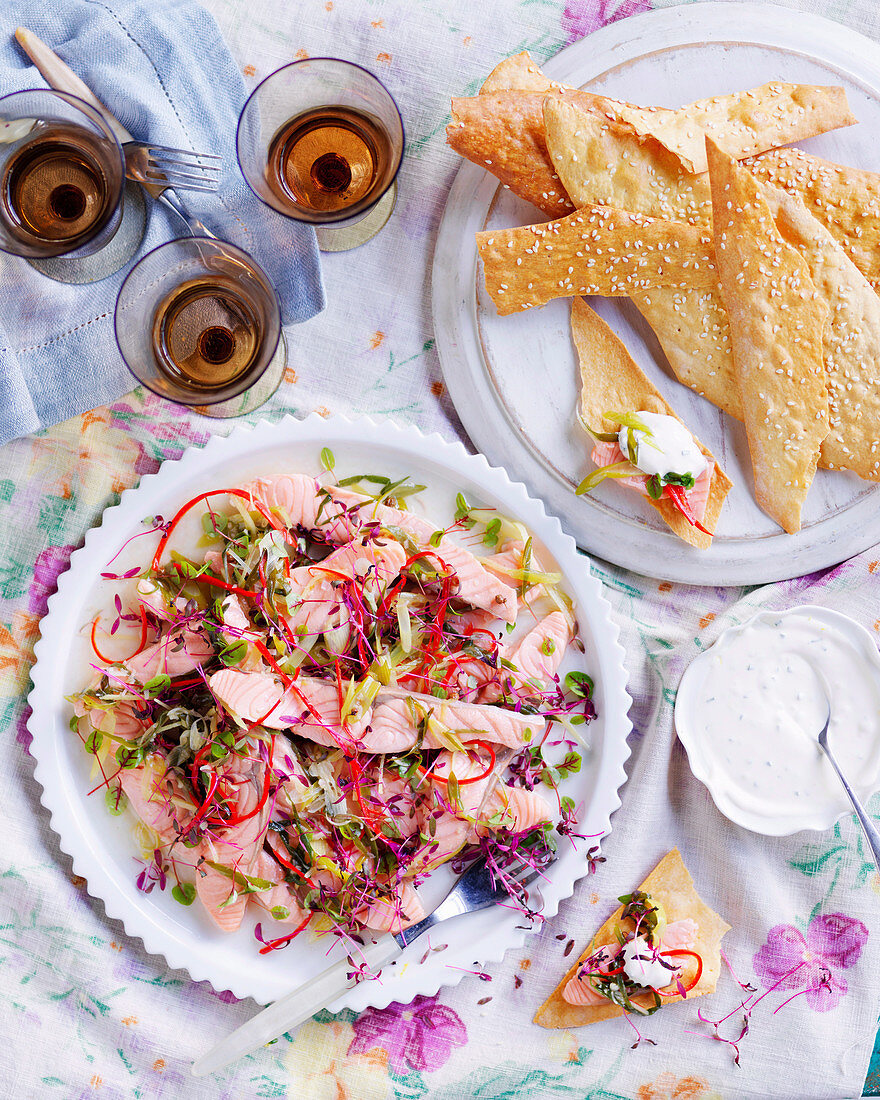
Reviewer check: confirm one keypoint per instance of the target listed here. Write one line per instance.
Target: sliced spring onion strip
(616, 470)
(627, 420)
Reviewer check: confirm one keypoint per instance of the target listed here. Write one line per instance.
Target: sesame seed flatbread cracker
(601, 161)
(504, 133)
(777, 320)
(671, 885)
(611, 379)
(693, 330)
(850, 343)
(502, 129)
(845, 200)
(743, 123)
(596, 250)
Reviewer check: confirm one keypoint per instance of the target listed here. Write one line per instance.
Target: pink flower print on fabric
(418, 1036)
(809, 964)
(582, 17)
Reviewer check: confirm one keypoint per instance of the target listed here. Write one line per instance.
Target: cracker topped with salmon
(639, 440)
(662, 945)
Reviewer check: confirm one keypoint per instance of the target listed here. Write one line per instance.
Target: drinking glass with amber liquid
(62, 178)
(198, 322)
(321, 141)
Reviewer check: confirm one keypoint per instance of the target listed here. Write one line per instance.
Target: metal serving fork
(159, 164)
(474, 890)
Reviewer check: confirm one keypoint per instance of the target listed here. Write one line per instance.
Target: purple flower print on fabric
(809, 965)
(418, 1036)
(50, 565)
(22, 733)
(582, 17)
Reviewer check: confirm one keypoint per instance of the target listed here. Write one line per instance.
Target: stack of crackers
(757, 266)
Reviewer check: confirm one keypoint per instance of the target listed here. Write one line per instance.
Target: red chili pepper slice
(203, 578)
(470, 630)
(694, 980)
(273, 945)
(677, 495)
(258, 506)
(372, 816)
(236, 819)
(474, 778)
(290, 866)
(213, 783)
(141, 644)
(602, 973)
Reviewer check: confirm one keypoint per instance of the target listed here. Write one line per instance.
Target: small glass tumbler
(321, 141)
(62, 181)
(198, 322)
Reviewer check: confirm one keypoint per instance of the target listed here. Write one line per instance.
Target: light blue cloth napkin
(164, 70)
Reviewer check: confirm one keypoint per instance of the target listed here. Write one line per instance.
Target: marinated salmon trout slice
(398, 717)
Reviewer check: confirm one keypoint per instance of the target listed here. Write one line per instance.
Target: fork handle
(872, 835)
(62, 78)
(294, 1009)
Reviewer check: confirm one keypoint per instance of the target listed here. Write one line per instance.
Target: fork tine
(160, 150)
(161, 162)
(173, 181)
(157, 172)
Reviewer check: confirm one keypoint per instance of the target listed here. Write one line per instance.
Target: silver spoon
(872, 834)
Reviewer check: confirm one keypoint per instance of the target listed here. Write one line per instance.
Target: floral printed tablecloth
(84, 1011)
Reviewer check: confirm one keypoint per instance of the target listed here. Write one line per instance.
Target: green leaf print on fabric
(814, 858)
(510, 1081)
(412, 1086)
(7, 489)
(54, 514)
(14, 578)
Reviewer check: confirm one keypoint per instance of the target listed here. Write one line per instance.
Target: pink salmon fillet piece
(380, 558)
(530, 655)
(521, 809)
(606, 454)
(395, 719)
(281, 894)
(310, 708)
(157, 797)
(677, 936)
(476, 585)
(177, 652)
(390, 727)
(237, 847)
(300, 501)
(121, 721)
(478, 801)
(394, 914)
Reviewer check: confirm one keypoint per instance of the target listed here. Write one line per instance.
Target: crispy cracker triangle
(777, 320)
(517, 73)
(610, 379)
(671, 885)
(845, 200)
(596, 250)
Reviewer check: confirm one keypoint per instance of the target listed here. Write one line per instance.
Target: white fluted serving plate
(514, 380)
(102, 847)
